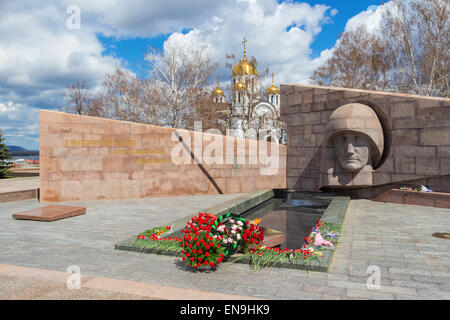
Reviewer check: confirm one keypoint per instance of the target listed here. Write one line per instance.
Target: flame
(257, 220)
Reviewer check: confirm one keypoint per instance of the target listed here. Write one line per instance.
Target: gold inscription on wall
(100, 143)
(152, 156)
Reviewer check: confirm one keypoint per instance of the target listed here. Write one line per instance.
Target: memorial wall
(88, 158)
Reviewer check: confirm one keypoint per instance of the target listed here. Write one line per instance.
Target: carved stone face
(352, 151)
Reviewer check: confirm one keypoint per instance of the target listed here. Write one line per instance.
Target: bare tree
(211, 113)
(126, 97)
(178, 77)
(174, 94)
(77, 98)
(408, 53)
(358, 61)
(417, 34)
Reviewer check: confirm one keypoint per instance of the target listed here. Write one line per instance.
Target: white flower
(230, 240)
(238, 236)
(233, 231)
(221, 228)
(240, 222)
(231, 220)
(225, 241)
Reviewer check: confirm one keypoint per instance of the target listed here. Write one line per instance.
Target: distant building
(250, 107)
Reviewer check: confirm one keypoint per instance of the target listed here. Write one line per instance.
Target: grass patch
(170, 246)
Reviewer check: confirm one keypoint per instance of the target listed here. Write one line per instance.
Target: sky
(47, 45)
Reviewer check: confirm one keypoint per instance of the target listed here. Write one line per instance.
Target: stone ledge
(19, 195)
(335, 213)
(429, 199)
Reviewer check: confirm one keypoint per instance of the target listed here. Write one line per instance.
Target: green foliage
(5, 155)
(162, 246)
(266, 258)
(156, 231)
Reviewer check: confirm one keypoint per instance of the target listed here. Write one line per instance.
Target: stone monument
(352, 148)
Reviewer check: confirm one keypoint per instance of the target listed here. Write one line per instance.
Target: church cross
(244, 42)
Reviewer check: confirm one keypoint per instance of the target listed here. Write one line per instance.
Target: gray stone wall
(416, 130)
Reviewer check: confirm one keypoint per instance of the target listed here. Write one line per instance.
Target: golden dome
(217, 91)
(244, 67)
(273, 88)
(240, 86)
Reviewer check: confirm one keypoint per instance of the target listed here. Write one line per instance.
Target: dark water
(294, 215)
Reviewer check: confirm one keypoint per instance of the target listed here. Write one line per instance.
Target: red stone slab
(50, 213)
(274, 240)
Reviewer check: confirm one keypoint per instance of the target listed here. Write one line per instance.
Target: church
(249, 107)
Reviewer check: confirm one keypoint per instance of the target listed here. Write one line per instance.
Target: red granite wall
(88, 158)
(416, 129)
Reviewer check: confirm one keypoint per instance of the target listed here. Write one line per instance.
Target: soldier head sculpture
(353, 145)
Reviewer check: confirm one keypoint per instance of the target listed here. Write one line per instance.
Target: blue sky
(132, 49)
(40, 55)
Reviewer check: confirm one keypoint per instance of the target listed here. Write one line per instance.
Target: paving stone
(369, 294)
(395, 233)
(335, 291)
(256, 291)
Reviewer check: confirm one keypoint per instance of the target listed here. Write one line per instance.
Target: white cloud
(143, 17)
(40, 56)
(19, 125)
(371, 18)
(279, 36)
